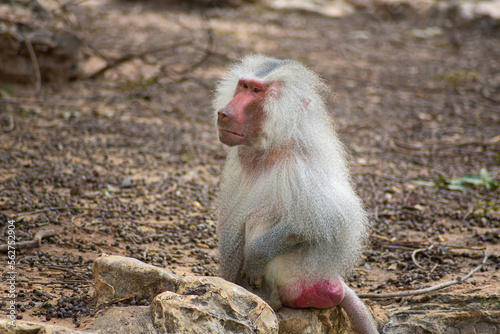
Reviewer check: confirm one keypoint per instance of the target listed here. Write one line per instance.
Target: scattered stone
(336, 8)
(476, 10)
(232, 3)
(126, 183)
(119, 277)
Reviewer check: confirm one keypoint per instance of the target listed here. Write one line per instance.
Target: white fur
(308, 188)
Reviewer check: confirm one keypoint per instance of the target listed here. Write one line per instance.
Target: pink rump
(323, 294)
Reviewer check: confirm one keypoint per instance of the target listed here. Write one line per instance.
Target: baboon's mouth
(233, 133)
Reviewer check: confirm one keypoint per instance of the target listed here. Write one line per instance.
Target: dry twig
(413, 255)
(36, 68)
(426, 290)
(36, 242)
(10, 124)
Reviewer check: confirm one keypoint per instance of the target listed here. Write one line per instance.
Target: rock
(232, 3)
(124, 320)
(335, 8)
(195, 304)
(489, 9)
(404, 8)
(218, 3)
(470, 11)
(199, 305)
(118, 277)
(313, 321)
(29, 327)
(189, 304)
(451, 313)
(212, 305)
(126, 183)
(462, 13)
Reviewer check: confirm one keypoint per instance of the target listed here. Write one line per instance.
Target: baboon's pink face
(240, 122)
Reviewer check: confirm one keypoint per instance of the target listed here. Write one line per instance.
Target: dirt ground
(415, 98)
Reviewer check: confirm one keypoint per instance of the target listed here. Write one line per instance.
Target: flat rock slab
(30, 327)
(124, 320)
(313, 321)
(460, 312)
(119, 277)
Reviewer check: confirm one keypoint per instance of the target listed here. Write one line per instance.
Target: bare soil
(128, 162)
